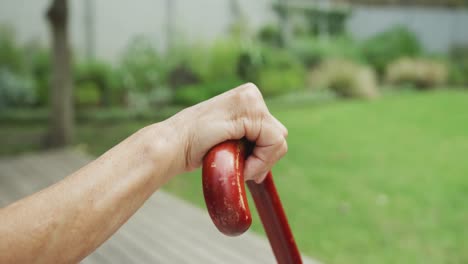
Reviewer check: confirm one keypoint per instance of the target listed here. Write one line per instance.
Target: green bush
(313, 51)
(16, 89)
(40, 68)
(223, 59)
(142, 68)
(106, 81)
(11, 56)
(387, 46)
(459, 72)
(417, 72)
(345, 78)
(280, 72)
(209, 62)
(269, 35)
(193, 94)
(87, 94)
(459, 66)
(25, 66)
(273, 82)
(229, 63)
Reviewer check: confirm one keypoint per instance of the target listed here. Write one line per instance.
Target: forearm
(68, 220)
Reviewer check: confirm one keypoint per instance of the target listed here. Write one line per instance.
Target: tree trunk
(61, 92)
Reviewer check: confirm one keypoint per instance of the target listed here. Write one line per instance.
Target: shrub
(223, 59)
(16, 89)
(230, 63)
(181, 75)
(11, 56)
(459, 72)
(40, 68)
(313, 51)
(280, 73)
(273, 82)
(26, 66)
(420, 73)
(142, 68)
(385, 47)
(193, 94)
(345, 78)
(103, 78)
(269, 34)
(209, 62)
(459, 66)
(87, 94)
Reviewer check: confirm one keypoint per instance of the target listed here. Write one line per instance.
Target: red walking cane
(225, 197)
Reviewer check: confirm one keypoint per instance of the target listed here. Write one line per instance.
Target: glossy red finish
(227, 205)
(274, 221)
(224, 189)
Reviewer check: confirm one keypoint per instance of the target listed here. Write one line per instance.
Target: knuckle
(249, 92)
(281, 150)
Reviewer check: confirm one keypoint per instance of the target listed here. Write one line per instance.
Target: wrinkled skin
(68, 220)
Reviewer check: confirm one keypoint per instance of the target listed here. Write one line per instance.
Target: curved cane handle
(225, 198)
(224, 189)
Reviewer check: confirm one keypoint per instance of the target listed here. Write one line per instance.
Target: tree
(61, 92)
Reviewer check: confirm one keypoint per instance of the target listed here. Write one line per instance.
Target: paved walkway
(165, 230)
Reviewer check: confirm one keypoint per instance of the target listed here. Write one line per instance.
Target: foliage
(206, 64)
(273, 82)
(16, 89)
(101, 77)
(269, 35)
(459, 72)
(420, 73)
(280, 72)
(181, 75)
(11, 56)
(345, 78)
(459, 66)
(39, 65)
(221, 60)
(193, 94)
(142, 68)
(87, 94)
(29, 63)
(389, 45)
(333, 18)
(313, 51)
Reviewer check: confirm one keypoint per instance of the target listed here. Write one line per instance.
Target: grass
(363, 182)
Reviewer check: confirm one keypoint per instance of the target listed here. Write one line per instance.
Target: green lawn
(363, 182)
(374, 182)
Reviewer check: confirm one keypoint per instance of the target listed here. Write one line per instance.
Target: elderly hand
(240, 112)
(100, 197)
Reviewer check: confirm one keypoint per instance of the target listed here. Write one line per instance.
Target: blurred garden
(376, 170)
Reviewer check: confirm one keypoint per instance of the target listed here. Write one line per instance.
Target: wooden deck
(165, 230)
